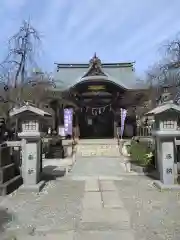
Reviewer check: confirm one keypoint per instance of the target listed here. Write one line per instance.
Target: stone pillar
(31, 163)
(166, 157)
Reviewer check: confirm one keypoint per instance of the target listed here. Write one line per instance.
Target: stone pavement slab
(112, 178)
(105, 215)
(68, 235)
(92, 200)
(104, 235)
(96, 166)
(92, 185)
(107, 186)
(111, 200)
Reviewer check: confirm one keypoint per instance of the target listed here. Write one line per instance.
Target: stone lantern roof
(27, 107)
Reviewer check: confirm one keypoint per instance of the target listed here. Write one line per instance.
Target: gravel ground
(154, 215)
(56, 208)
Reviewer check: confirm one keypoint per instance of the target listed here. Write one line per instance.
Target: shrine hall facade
(99, 90)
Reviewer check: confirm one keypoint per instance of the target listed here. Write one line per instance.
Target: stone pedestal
(31, 162)
(68, 147)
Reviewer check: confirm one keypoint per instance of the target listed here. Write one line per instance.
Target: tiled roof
(122, 74)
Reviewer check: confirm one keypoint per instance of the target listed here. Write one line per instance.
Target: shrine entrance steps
(97, 159)
(98, 148)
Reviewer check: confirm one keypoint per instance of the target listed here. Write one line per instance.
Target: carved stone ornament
(30, 157)
(30, 171)
(95, 67)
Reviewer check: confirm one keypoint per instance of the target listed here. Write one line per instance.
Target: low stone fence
(144, 131)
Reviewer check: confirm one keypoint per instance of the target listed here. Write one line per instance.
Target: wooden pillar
(76, 127)
(114, 123)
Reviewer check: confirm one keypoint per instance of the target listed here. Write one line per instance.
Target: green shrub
(141, 153)
(128, 147)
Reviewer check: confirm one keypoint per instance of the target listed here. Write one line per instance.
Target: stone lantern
(165, 131)
(30, 124)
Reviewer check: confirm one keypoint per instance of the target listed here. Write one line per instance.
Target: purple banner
(123, 117)
(68, 121)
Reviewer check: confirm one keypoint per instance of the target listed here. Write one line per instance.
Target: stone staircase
(98, 148)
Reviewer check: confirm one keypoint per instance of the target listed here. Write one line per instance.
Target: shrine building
(100, 90)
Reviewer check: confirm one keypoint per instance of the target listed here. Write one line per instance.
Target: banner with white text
(123, 118)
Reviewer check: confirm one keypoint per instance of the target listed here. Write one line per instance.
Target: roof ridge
(114, 64)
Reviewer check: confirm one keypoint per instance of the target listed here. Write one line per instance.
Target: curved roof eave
(89, 78)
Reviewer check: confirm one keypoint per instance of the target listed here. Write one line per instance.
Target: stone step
(94, 154)
(98, 150)
(100, 147)
(11, 185)
(97, 146)
(97, 154)
(7, 172)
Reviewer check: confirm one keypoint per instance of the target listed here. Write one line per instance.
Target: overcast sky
(72, 30)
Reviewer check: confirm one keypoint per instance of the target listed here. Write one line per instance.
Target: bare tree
(14, 70)
(21, 55)
(166, 73)
(170, 49)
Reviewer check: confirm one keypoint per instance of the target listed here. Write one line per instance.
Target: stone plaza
(97, 199)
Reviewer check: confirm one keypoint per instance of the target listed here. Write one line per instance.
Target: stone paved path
(97, 167)
(104, 212)
(101, 206)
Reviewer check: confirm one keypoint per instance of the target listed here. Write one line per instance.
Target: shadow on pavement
(154, 175)
(5, 217)
(52, 172)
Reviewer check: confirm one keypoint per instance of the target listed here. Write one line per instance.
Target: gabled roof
(122, 74)
(26, 107)
(164, 108)
(95, 68)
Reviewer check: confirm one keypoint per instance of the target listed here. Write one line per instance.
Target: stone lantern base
(32, 188)
(163, 186)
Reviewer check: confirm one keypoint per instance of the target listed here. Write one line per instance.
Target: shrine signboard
(96, 88)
